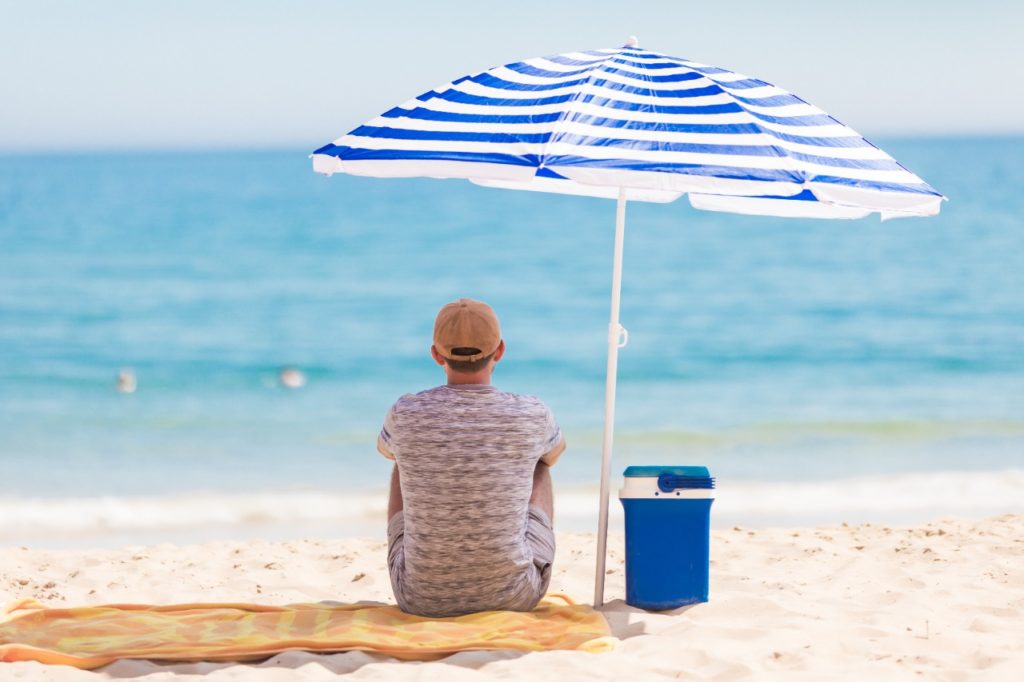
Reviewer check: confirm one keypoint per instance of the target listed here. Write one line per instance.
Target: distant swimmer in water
(126, 382)
(292, 378)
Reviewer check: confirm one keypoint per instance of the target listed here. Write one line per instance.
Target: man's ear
(438, 358)
(500, 350)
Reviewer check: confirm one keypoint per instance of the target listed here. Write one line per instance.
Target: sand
(940, 601)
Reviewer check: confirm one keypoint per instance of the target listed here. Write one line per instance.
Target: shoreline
(292, 514)
(943, 599)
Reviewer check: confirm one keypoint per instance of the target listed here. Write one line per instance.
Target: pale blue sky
(118, 74)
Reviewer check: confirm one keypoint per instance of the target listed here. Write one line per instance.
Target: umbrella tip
(632, 42)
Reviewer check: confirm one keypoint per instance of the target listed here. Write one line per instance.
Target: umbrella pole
(617, 337)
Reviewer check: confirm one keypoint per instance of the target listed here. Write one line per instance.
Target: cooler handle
(668, 483)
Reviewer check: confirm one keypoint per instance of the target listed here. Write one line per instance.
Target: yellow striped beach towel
(93, 636)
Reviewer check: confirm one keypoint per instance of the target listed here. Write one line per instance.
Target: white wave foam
(43, 516)
(303, 513)
(893, 498)
(948, 492)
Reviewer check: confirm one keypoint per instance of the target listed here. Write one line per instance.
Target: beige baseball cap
(466, 324)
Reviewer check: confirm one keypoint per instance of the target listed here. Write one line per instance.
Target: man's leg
(395, 494)
(543, 495)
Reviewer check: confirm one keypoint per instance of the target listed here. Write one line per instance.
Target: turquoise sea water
(769, 349)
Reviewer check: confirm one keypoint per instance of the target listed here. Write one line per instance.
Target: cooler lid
(672, 478)
(655, 471)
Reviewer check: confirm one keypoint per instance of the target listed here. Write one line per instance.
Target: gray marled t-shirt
(466, 456)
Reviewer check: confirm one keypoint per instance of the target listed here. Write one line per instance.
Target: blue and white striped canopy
(655, 127)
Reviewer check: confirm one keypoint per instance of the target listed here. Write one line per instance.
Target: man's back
(466, 455)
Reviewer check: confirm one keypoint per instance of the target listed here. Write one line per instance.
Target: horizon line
(283, 147)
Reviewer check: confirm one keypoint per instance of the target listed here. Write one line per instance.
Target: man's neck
(461, 378)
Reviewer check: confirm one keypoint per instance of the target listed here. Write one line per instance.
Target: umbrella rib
(659, 125)
(558, 128)
(766, 133)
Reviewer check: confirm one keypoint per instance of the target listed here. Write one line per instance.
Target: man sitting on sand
(470, 508)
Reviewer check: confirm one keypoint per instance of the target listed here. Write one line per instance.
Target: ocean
(823, 370)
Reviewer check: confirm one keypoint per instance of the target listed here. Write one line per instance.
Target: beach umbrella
(634, 125)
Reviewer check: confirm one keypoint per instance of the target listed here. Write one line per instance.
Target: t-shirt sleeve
(386, 439)
(554, 441)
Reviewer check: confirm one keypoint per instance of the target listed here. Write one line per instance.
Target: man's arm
(543, 494)
(386, 447)
(395, 504)
(382, 448)
(385, 444)
(552, 455)
(554, 441)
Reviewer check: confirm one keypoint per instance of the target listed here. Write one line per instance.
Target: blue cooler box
(668, 527)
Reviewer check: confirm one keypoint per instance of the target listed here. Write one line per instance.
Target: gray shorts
(540, 538)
